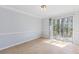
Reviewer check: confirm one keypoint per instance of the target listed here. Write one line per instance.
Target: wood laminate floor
(43, 46)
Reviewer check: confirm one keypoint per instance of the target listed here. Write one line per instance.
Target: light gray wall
(45, 27)
(76, 28)
(16, 27)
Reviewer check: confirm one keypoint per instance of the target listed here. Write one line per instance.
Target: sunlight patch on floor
(57, 43)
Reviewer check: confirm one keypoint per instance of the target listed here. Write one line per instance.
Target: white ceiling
(52, 10)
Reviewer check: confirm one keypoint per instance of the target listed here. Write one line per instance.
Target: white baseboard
(20, 42)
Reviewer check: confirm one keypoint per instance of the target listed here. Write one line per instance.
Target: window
(63, 27)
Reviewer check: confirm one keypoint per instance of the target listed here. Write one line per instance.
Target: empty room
(39, 29)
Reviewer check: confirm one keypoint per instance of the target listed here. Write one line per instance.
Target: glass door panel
(63, 28)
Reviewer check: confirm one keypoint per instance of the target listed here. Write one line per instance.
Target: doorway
(62, 29)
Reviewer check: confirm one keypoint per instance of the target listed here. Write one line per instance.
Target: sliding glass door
(62, 28)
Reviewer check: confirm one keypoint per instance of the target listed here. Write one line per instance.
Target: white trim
(33, 38)
(20, 11)
(11, 33)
